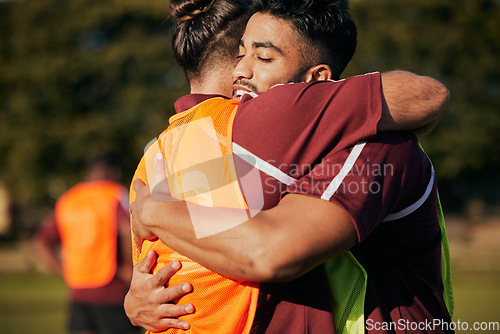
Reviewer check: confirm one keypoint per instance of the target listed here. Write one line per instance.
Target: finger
(164, 274)
(162, 324)
(159, 167)
(174, 293)
(173, 323)
(138, 184)
(145, 265)
(159, 185)
(174, 311)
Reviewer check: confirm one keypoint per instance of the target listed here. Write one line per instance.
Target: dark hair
(208, 30)
(326, 26)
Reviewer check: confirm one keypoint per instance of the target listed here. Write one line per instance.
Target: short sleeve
(370, 179)
(309, 119)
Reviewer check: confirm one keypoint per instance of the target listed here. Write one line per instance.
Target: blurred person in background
(87, 240)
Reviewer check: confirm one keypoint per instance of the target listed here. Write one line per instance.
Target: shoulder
(314, 96)
(399, 147)
(297, 87)
(399, 153)
(407, 170)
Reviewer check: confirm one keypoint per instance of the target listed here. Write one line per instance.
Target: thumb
(159, 166)
(159, 183)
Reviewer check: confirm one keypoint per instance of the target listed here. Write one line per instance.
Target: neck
(199, 88)
(214, 81)
(210, 87)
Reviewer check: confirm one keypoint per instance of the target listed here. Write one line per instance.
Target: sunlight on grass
(36, 303)
(477, 299)
(32, 303)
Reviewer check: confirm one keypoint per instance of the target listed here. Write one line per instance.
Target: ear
(319, 72)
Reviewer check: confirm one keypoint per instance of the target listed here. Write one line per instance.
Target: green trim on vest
(347, 280)
(445, 264)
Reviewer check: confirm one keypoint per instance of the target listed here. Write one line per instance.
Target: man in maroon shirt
(312, 243)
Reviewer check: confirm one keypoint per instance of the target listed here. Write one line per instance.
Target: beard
(298, 76)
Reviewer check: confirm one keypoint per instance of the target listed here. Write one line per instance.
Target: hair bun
(185, 10)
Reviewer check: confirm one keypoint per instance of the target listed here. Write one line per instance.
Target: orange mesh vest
(86, 221)
(197, 148)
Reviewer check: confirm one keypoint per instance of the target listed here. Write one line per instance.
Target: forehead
(266, 29)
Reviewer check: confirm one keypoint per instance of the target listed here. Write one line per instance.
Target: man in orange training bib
(91, 224)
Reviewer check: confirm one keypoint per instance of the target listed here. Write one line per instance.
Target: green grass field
(477, 299)
(36, 303)
(32, 303)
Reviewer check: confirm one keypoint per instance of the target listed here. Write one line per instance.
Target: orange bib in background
(197, 152)
(86, 221)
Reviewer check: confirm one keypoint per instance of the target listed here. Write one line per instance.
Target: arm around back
(279, 244)
(411, 102)
(300, 233)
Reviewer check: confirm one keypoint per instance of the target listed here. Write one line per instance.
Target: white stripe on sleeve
(263, 165)
(346, 168)
(406, 211)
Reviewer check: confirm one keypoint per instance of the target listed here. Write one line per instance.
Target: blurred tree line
(82, 77)
(79, 78)
(458, 43)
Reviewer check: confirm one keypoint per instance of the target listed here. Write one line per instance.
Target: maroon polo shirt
(402, 257)
(288, 130)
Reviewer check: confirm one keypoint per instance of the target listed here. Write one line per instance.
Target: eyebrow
(266, 45)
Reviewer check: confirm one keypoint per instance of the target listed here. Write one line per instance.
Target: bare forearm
(411, 102)
(275, 245)
(229, 253)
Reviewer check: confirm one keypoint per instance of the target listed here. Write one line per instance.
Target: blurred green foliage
(458, 43)
(84, 76)
(79, 78)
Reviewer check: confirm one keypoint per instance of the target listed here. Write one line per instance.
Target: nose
(243, 69)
